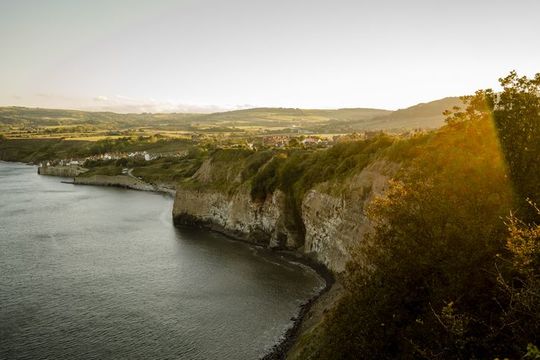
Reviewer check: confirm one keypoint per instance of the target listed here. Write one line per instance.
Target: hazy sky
(165, 55)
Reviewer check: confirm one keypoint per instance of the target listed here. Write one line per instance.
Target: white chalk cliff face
(336, 223)
(237, 215)
(333, 220)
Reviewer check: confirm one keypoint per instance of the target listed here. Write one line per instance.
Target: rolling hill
(425, 115)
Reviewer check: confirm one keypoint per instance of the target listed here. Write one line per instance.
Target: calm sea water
(101, 273)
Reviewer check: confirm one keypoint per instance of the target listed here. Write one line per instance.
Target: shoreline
(280, 350)
(289, 337)
(126, 181)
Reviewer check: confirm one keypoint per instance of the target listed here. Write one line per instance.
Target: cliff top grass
(168, 169)
(297, 170)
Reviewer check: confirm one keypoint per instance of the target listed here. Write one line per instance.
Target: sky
(211, 55)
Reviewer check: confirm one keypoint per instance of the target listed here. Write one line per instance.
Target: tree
(294, 143)
(516, 114)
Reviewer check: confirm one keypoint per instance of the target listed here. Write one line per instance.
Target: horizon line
(224, 110)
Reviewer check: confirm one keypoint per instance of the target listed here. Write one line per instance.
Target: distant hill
(257, 117)
(272, 117)
(23, 116)
(425, 115)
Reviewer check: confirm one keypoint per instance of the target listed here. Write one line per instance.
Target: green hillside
(32, 117)
(74, 123)
(425, 115)
(279, 117)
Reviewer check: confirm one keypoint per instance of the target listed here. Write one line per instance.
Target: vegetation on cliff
(449, 271)
(291, 171)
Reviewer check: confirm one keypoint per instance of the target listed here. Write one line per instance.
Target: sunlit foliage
(443, 275)
(516, 113)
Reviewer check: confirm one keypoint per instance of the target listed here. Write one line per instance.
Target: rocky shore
(281, 349)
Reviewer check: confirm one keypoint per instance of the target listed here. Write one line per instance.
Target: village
(254, 144)
(139, 155)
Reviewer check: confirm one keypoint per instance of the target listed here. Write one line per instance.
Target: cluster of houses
(115, 156)
(281, 141)
(275, 141)
(110, 156)
(63, 162)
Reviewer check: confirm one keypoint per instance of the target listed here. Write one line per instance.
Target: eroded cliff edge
(331, 217)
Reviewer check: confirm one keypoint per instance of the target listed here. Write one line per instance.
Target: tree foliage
(519, 278)
(516, 113)
(442, 275)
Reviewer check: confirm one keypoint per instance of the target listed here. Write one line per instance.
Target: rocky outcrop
(332, 215)
(260, 222)
(63, 171)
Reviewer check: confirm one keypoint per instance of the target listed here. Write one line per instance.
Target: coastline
(127, 181)
(289, 337)
(280, 350)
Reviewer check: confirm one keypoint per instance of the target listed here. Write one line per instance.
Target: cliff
(331, 219)
(321, 220)
(309, 201)
(236, 215)
(335, 222)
